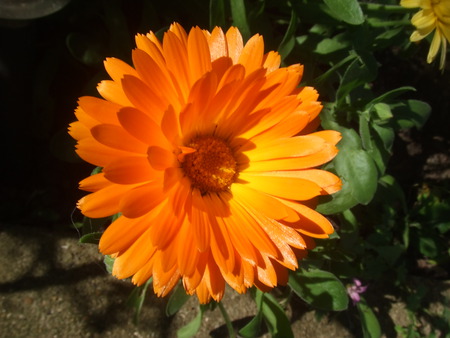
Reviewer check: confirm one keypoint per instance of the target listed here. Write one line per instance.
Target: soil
(53, 286)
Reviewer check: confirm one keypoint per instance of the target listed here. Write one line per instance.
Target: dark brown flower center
(212, 166)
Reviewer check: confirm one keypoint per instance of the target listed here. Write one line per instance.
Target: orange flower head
(208, 153)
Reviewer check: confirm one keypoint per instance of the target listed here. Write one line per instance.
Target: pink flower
(355, 290)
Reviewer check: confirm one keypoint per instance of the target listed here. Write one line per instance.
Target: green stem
(380, 23)
(227, 320)
(330, 71)
(385, 8)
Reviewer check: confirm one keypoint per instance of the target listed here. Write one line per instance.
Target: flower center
(212, 166)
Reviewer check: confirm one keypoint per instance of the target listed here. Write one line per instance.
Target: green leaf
(338, 202)
(216, 13)
(192, 327)
(358, 169)
(411, 113)
(275, 318)
(136, 299)
(386, 135)
(239, 15)
(89, 50)
(428, 247)
(109, 262)
(288, 42)
(382, 112)
(388, 96)
(328, 46)
(364, 131)
(348, 11)
(254, 326)
(92, 238)
(177, 299)
(320, 289)
(361, 71)
(369, 322)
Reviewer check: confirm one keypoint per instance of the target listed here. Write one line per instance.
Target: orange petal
(235, 44)
(94, 182)
(116, 137)
(96, 153)
(252, 54)
(187, 252)
(177, 61)
(170, 126)
(129, 170)
(116, 68)
(142, 199)
(199, 57)
(113, 92)
(142, 127)
(122, 233)
(311, 222)
(101, 110)
(200, 225)
(272, 61)
(105, 202)
(217, 44)
(151, 48)
(286, 147)
(160, 158)
(325, 155)
(134, 258)
(157, 78)
(282, 186)
(143, 98)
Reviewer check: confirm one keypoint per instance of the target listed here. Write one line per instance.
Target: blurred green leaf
(388, 96)
(320, 289)
(177, 299)
(348, 11)
(358, 169)
(275, 318)
(428, 246)
(369, 322)
(386, 135)
(87, 49)
(382, 112)
(254, 326)
(109, 262)
(239, 15)
(136, 299)
(92, 238)
(288, 42)
(361, 71)
(328, 46)
(216, 13)
(411, 113)
(192, 327)
(364, 131)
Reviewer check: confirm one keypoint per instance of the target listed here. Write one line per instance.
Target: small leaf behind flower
(320, 289)
(177, 299)
(369, 322)
(348, 11)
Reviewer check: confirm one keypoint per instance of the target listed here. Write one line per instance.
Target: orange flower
(206, 152)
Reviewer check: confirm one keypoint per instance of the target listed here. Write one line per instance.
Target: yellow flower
(207, 151)
(435, 15)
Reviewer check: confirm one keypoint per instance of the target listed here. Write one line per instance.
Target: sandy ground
(52, 286)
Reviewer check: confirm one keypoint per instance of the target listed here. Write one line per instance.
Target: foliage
(380, 230)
